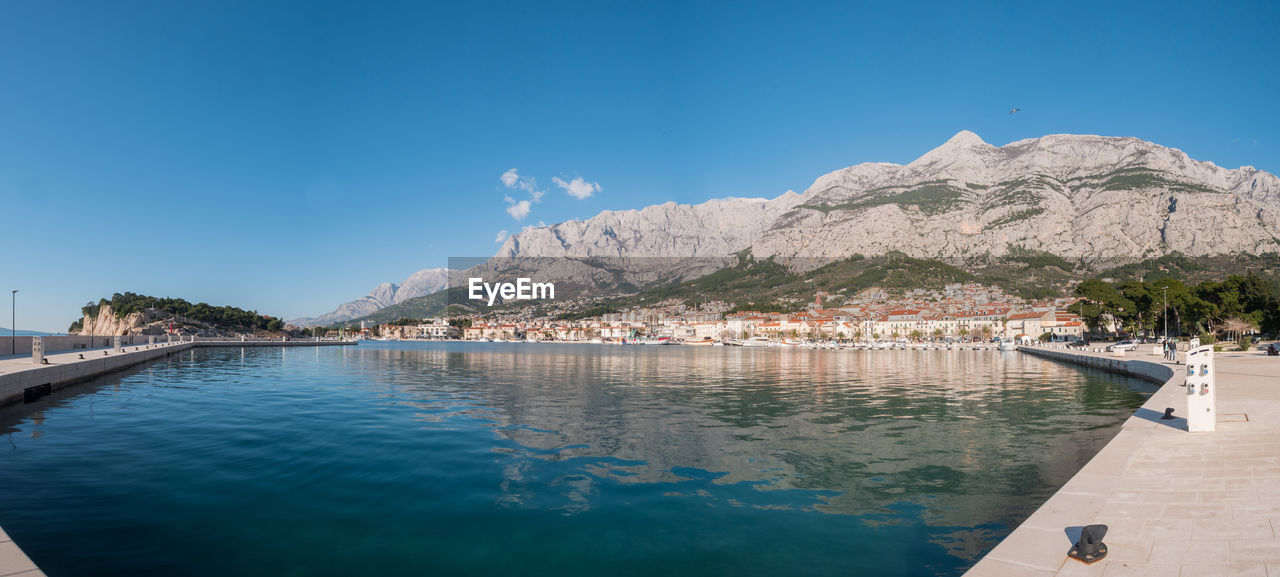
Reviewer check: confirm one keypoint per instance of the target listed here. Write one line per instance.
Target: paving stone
(13, 560)
(1255, 551)
(1254, 570)
(1191, 550)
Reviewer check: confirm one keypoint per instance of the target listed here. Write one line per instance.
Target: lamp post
(13, 323)
(1165, 311)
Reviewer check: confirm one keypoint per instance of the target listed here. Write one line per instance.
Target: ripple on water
(536, 459)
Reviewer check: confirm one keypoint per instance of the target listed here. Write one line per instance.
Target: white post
(1201, 390)
(115, 342)
(37, 350)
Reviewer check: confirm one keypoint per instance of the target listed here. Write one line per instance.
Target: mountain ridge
(961, 200)
(421, 283)
(1096, 201)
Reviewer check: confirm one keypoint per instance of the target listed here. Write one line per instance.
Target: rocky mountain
(1091, 199)
(418, 284)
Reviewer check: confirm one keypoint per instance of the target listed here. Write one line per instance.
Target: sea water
(548, 459)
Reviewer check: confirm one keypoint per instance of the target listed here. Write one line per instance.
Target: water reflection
(970, 437)
(784, 456)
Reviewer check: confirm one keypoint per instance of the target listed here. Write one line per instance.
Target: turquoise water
(548, 459)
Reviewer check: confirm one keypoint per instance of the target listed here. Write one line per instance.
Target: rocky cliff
(148, 322)
(106, 323)
(1092, 199)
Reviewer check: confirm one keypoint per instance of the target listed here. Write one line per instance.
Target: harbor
(1151, 485)
(783, 452)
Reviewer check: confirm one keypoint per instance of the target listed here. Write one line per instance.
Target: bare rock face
(147, 322)
(421, 283)
(106, 323)
(713, 229)
(1093, 199)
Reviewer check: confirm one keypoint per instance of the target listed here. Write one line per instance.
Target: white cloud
(502, 235)
(519, 210)
(577, 188)
(509, 178)
(512, 180)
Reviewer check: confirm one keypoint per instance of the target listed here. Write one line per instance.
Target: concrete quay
(1176, 503)
(18, 373)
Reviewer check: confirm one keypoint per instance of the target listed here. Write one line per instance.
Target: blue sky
(288, 156)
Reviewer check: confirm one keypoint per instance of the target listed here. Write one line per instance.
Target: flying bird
(1014, 110)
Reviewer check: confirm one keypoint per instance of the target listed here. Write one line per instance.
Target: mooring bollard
(1090, 547)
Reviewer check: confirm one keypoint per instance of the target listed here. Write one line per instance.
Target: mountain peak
(964, 150)
(965, 138)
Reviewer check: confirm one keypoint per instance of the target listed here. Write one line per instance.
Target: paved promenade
(1176, 503)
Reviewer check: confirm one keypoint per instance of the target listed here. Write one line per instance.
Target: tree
(1106, 299)
(1145, 302)
(915, 335)
(1236, 327)
(937, 333)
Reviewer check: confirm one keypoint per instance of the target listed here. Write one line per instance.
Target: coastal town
(958, 312)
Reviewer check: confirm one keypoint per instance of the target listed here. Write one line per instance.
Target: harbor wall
(21, 345)
(96, 362)
(61, 343)
(13, 385)
(1153, 372)
(1036, 546)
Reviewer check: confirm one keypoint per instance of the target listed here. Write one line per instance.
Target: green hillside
(222, 317)
(769, 285)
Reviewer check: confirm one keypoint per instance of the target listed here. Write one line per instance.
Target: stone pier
(1176, 503)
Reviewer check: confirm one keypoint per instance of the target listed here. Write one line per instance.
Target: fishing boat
(703, 342)
(757, 342)
(650, 341)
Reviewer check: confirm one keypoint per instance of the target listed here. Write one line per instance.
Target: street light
(13, 323)
(1165, 311)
